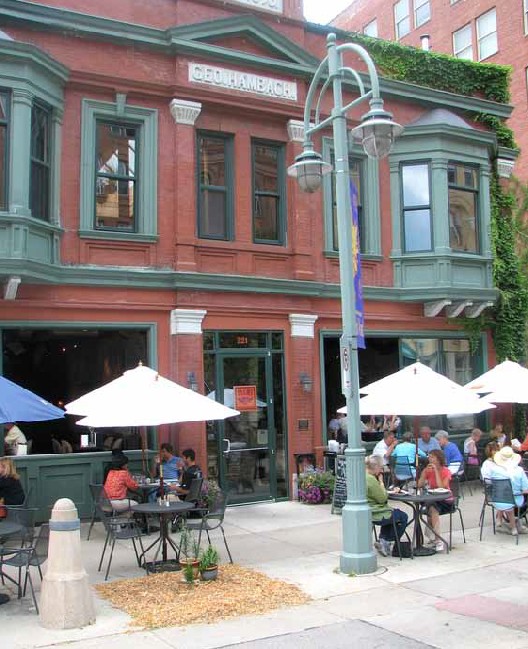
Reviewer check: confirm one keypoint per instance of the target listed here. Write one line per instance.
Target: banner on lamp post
(356, 254)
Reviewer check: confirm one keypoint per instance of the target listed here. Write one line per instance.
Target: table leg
(420, 550)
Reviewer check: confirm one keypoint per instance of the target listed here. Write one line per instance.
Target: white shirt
(381, 449)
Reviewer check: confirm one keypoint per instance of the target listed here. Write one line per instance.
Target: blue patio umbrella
(19, 404)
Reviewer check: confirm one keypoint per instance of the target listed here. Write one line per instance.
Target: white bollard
(66, 599)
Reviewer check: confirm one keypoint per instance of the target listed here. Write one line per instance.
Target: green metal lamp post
(376, 132)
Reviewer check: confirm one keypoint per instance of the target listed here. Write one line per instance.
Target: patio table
(417, 502)
(165, 513)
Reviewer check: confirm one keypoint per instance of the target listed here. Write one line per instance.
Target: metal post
(357, 555)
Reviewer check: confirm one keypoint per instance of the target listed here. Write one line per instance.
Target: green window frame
(369, 214)
(269, 192)
(5, 107)
(145, 121)
(416, 205)
(40, 161)
(215, 183)
(463, 197)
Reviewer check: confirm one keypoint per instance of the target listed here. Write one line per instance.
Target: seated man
(385, 447)
(191, 470)
(404, 455)
(381, 512)
(452, 454)
(426, 443)
(171, 464)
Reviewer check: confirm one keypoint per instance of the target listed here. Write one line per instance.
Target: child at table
(436, 476)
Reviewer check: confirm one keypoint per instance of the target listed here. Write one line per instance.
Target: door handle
(228, 449)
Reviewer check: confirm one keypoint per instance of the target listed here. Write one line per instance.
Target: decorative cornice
(505, 167)
(302, 326)
(294, 60)
(185, 112)
(186, 321)
(296, 130)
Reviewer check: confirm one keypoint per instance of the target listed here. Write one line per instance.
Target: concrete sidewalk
(467, 598)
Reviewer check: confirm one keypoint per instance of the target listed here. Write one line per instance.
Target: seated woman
(470, 447)
(11, 490)
(437, 476)
(488, 464)
(117, 482)
(381, 513)
(506, 466)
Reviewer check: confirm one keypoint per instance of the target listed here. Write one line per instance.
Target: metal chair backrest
(501, 491)
(217, 510)
(402, 468)
(102, 504)
(454, 485)
(195, 490)
(41, 544)
(95, 491)
(25, 517)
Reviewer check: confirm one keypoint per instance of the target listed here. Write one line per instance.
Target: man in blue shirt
(171, 464)
(427, 443)
(453, 456)
(404, 457)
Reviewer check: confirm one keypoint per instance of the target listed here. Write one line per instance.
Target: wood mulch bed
(165, 600)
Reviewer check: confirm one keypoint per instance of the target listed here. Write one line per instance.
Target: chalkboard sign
(340, 488)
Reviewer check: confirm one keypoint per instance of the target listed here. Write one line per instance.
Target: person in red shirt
(118, 482)
(437, 476)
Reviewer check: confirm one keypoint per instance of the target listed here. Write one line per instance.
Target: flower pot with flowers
(316, 487)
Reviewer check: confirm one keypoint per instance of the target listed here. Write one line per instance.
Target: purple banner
(356, 260)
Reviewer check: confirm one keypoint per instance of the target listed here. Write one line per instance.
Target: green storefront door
(247, 442)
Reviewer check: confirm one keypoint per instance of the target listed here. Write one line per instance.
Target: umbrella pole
(416, 425)
(144, 468)
(161, 488)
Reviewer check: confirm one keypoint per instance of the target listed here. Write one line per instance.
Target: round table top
(154, 508)
(419, 498)
(7, 528)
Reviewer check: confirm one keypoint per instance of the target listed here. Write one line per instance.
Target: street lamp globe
(377, 132)
(309, 169)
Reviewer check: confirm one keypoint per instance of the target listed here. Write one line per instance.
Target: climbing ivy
(508, 321)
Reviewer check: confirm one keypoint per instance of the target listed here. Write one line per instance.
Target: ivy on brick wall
(508, 320)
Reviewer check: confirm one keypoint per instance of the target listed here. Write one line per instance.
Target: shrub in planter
(189, 551)
(208, 565)
(316, 487)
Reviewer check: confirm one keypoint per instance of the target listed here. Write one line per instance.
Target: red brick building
(146, 214)
(479, 30)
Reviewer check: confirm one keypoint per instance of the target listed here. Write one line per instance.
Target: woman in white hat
(506, 465)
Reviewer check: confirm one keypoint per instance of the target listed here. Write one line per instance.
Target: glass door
(247, 442)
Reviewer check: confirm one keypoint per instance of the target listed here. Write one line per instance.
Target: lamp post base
(358, 564)
(357, 556)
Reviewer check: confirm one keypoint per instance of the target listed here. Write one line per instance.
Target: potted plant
(209, 563)
(316, 487)
(189, 552)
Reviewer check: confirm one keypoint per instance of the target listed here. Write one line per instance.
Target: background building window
(463, 195)
(355, 171)
(525, 11)
(416, 207)
(462, 43)
(39, 193)
(487, 34)
(402, 19)
(4, 134)
(116, 179)
(422, 12)
(371, 29)
(215, 187)
(268, 193)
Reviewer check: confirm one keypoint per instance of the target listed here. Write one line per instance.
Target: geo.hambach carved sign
(269, 5)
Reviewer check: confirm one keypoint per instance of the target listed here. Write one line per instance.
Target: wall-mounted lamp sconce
(306, 381)
(192, 383)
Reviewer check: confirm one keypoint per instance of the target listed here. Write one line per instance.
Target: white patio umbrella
(418, 390)
(141, 397)
(504, 383)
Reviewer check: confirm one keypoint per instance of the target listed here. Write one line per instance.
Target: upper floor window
(402, 18)
(40, 176)
(463, 200)
(462, 43)
(355, 173)
(4, 134)
(215, 195)
(422, 12)
(416, 203)
(487, 34)
(116, 183)
(371, 29)
(525, 12)
(268, 193)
